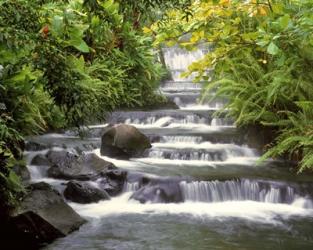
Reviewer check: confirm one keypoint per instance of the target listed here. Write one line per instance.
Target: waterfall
(131, 186)
(238, 190)
(178, 60)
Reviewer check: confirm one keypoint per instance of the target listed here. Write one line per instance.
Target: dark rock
(40, 160)
(81, 192)
(113, 181)
(21, 171)
(123, 141)
(32, 231)
(43, 216)
(68, 165)
(158, 191)
(34, 146)
(258, 136)
(112, 187)
(115, 174)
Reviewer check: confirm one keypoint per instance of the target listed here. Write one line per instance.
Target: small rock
(40, 160)
(82, 192)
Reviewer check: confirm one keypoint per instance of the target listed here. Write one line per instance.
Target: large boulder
(158, 191)
(43, 216)
(84, 192)
(70, 166)
(123, 141)
(31, 230)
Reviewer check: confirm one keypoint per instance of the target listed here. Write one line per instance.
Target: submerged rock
(83, 192)
(123, 141)
(159, 191)
(42, 217)
(68, 165)
(113, 181)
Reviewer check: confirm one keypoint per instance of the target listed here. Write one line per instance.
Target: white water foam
(232, 149)
(250, 210)
(189, 126)
(37, 173)
(180, 138)
(166, 121)
(140, 164)
(156, 162)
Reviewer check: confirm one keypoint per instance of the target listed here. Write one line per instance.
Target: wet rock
(61, 156)
(40, 160)
(113, 181)
(258, 136)
(22, 171)
(68, 165)
(123, 141)
(34, 146)
(42, 217)
(158, 191)
(82, 192)
(113, 188)
(115, 174)
(32, 231)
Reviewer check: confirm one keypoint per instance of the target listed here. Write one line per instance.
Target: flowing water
(226, 200)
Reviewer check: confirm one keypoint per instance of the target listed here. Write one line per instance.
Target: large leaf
(273, 49)
(81, 45)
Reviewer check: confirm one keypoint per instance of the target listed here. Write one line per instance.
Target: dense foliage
(262, 56)
(66, 63)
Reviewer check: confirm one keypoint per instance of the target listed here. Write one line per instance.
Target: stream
(229, 201)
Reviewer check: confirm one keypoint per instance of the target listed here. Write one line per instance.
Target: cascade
(238, 190)
(199, 179)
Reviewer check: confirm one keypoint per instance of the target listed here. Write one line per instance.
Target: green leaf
(273, 49)
(278, 8)
(284, 21)
(81, 45)
(57, 25)
(262, 43)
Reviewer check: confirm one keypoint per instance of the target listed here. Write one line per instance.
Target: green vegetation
(67, 63)
(262, 56)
